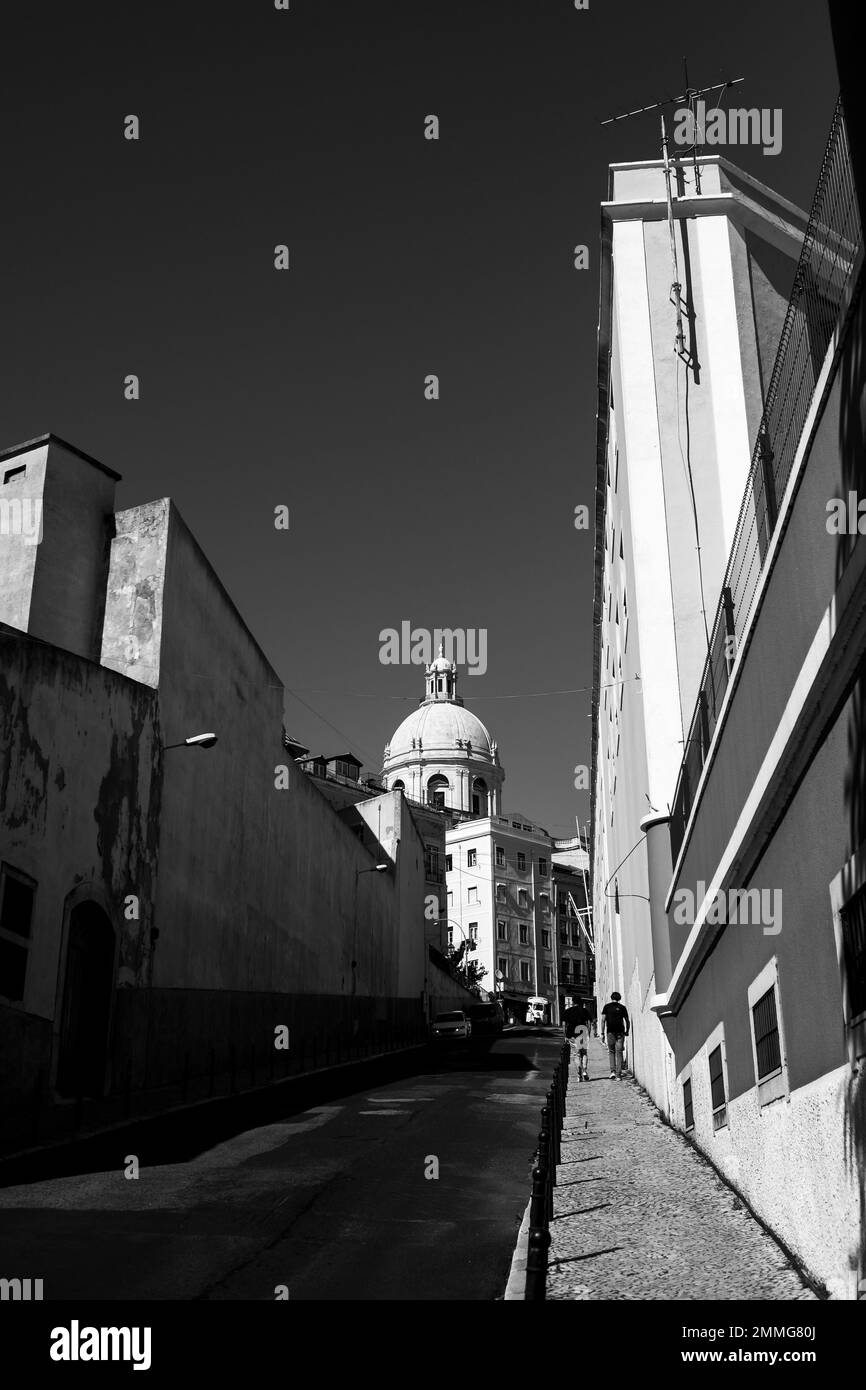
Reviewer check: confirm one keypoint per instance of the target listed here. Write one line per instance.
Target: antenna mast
(687, 98)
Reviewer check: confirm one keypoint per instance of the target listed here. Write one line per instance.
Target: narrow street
(333, 1202)
(640, 1215)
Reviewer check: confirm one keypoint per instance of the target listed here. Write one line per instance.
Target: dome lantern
(441, 678)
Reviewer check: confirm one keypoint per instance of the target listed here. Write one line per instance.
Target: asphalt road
(332, 1203)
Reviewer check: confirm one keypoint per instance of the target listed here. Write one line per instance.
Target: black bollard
(539, 1239)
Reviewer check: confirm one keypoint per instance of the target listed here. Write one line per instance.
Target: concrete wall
(55, 590)
(79, 808)
(263, 910)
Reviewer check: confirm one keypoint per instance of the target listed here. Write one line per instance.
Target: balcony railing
(826, 267)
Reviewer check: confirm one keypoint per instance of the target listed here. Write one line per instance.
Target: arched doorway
(88, 989)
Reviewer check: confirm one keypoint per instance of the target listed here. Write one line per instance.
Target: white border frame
(775, 1086)
(684, 1076)
(717, 1039)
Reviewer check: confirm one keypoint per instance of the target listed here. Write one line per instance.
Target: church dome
(442, 755)
(440, 728)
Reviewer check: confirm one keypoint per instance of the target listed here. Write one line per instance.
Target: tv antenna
(686, 98)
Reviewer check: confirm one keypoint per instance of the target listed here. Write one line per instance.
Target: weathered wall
(55, 589)
(263, 899)
(79, 806)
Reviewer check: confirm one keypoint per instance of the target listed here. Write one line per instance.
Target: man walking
(615, 1022)
(577, 1032)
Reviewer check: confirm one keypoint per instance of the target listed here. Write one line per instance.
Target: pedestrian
(577, 1033)
(615, 1022)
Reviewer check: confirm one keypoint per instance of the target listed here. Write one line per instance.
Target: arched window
(398, 786)
(480, 798)
(437, 787)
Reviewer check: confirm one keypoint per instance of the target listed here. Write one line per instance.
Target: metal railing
(829, 256)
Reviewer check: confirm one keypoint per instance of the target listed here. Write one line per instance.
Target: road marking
(381, 1112)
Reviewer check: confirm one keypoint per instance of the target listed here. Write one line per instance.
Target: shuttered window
(853, 916)
(717, 1088)
(766, 1024)
(687, 1104)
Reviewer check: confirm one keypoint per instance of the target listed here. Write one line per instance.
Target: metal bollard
(553, 1106)
(539, 1239)
(545, 1155)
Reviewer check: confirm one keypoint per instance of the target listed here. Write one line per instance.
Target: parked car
(451, 1025)
(486, 1018)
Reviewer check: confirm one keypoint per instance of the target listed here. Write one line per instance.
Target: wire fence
(826, 266)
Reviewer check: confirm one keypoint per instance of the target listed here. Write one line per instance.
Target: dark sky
(408, 257)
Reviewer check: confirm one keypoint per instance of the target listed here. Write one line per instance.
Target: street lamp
(374, 869)
(196, 741)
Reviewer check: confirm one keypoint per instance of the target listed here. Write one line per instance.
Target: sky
(305, 388)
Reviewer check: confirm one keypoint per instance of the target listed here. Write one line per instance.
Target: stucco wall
(79, 806)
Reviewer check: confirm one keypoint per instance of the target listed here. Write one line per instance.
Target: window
(524, 935)
(521, 861)
(548, 975)
(432, 871)
(545, 902)
(523, 897)
(449, 863)
(768, 1040)
(450, 899)
(501, 931)
(17, 892)
(500, 892)
(473, 931)
(766, 1026)
(502, 966)
(575, 935)
(515, 825)
(853, 916)
(687, 1104)
(524, 971)
(542, 868)
(500, 857)
(545, 939)
(717, 1088)
(450, 936)
(472, 858)
(14, 472)
(472, 895)
(848, 901)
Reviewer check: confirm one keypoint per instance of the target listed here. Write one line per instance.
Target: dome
(441, 727)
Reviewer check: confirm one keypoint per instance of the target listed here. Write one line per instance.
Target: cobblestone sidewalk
(638, 1215)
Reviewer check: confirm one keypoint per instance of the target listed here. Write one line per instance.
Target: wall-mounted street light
(196, 741)
(374, 869)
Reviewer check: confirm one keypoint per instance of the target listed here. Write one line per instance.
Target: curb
(515, 1289)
